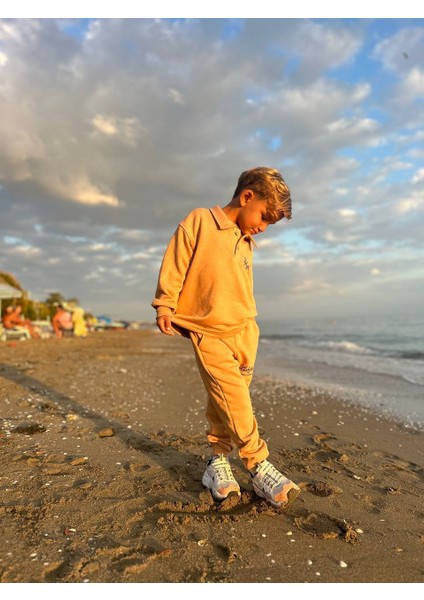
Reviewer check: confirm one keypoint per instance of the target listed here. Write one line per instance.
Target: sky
(113, 129)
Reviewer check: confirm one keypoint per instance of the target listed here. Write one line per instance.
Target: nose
(262, 227)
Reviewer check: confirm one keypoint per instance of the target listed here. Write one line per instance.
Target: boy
(205, 292)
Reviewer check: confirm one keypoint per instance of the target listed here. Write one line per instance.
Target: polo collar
(224, 222)
(221, 218)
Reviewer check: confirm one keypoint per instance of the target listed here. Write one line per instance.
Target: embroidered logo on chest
(246, 264)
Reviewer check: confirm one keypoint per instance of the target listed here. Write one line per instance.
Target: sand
(102, 453)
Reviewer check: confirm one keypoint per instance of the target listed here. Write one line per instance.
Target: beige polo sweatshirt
(205, 281)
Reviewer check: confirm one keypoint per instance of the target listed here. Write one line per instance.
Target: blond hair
(269, 185)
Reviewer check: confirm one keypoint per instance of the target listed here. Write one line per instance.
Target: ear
(246, 196)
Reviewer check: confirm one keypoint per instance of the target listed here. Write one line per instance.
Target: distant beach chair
(17, 333)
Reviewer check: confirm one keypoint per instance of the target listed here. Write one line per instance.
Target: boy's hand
(164, 324)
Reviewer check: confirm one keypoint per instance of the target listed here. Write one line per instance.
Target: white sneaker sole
(208, 483)
(292, 494)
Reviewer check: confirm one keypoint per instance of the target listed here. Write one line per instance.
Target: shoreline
(378, 391)
(103, 451)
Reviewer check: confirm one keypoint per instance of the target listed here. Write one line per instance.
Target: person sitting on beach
(13, 320)
(205, 293)
(79, 324)
(62, 321)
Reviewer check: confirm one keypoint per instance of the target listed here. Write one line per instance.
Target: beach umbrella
(7, 292)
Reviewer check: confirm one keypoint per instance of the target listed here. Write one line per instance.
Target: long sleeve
(173, 271)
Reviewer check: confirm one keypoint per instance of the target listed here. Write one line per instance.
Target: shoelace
(270, 476)
(222, 469)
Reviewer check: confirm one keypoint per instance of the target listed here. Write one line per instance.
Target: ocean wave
(289, 336)
(353, 348)
(305, 341)
(345, 346)
(409, 355)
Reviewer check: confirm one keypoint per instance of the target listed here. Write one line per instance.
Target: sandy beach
(102, 452)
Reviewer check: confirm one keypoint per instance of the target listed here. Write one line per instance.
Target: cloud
(339, 238)
(25, 250)
(419, 176)
(414, 83)
(402, 51)
(347, 213)
(159, 96)
(310, 286)
(410, 203)
(324, 46)
(81, 190)
(105, 125)
(126, 130)
(402, 54)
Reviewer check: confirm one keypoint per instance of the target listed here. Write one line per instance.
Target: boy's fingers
(164, 324)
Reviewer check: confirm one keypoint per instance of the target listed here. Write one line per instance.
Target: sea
(376, 361)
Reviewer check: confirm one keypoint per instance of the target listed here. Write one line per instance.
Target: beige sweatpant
(226, 368)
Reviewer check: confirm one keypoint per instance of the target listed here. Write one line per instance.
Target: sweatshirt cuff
(161, 311)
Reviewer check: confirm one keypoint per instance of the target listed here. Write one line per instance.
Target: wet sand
(386, 394)
(102, 453)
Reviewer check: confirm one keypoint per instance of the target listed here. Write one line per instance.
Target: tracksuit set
(206, 285)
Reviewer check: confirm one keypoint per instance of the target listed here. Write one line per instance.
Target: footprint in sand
(325, 527)
(29, 428)
(321, 488)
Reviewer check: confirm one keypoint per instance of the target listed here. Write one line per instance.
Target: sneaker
(219, 478)
(272, 485)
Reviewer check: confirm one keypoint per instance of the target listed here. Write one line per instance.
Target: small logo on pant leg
(246, 264)
(246, 369)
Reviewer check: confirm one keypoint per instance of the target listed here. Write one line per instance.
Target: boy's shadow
(166, 451)
(159, 451)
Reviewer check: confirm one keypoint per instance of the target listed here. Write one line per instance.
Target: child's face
(253, 217)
